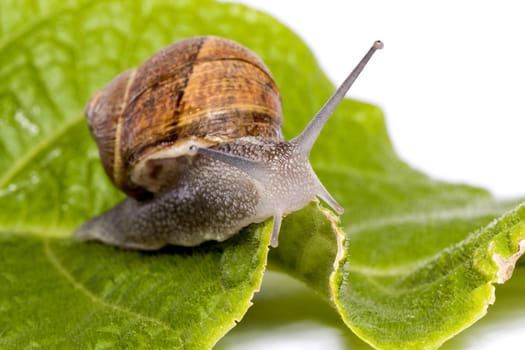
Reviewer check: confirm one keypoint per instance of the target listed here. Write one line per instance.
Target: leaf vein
(41, 146)
(61, 269)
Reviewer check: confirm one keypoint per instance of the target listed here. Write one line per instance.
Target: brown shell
(208, 89)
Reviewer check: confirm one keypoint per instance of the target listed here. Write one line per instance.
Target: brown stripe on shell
(118, 167)
(104, 117)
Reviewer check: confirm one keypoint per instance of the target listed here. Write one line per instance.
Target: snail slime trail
(193, 137)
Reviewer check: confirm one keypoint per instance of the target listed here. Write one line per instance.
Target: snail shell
(204, 90)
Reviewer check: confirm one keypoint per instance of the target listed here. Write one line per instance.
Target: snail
(193, 138)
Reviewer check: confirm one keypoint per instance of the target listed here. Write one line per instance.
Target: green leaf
(411, 240)
(60, 294)
(421, 298)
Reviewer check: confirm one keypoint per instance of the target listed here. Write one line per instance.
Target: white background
(451, 81)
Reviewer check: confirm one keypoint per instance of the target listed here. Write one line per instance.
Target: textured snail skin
(212, 200)
(194, 211)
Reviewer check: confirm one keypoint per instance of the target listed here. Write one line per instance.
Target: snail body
(193, 137)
